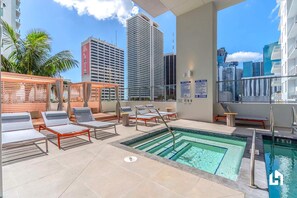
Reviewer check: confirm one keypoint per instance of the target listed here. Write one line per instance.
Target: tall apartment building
(170, 75)
(145, 58)
(103, 62)
(229, 76)
(11, 15)
(288, 49)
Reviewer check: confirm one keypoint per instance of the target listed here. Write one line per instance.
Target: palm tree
(32, 55)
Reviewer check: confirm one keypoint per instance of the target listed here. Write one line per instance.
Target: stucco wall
(196, 50)
(282, 112)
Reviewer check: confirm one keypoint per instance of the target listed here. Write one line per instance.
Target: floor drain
(130, 159)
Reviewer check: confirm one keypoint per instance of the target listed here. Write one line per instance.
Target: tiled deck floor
(98, 170)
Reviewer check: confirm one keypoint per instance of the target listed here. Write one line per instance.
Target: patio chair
(85, 118)
(18, 130)
(247, 118)
(132, 115)
(152, 109)
(143, 110)
(58, 123)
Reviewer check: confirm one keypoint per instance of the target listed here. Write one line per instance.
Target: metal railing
(252, 162)
(160, 116)
(294, 121)
(270, 89)
(271, 122)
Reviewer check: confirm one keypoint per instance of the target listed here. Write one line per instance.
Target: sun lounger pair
(152, 109)
(58, 123)
(241, 117)
(144, 118)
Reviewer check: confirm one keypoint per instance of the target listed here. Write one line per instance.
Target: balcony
(292, 52)
(292, 29)
(18, 2)
(18, 23)
(276, 68)
(18, 12)
(291, 8)
(276, 53)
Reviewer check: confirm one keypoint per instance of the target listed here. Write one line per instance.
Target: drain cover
(130, 159)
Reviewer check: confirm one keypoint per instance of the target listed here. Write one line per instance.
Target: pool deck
(98, 170)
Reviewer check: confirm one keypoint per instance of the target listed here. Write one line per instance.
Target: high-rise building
(288, 50)
(229, 78)
(145, 58)
(221, 56)
(268, 62)
(11, 15)
(248, 69)
(253, 69)
(103, 62)
(170, 76)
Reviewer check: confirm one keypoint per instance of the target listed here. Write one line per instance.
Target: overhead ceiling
(179, 7)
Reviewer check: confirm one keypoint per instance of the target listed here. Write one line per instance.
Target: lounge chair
(58, 123)
(85, 118)
(132, 115)
(241, 117)
(143, 110)
(152, 109)
(18, 130)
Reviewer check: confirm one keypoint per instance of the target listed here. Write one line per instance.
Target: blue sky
(245, 27)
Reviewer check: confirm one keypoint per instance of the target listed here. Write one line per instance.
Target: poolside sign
(200, 88)
(185, 89)
(276, 178)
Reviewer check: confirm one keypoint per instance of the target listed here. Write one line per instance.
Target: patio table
(230, 119)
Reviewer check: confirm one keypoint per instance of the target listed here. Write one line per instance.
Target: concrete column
(196, 51)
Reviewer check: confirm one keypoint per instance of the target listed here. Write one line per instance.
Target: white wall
(282, 112)
(160, 105)
(196, 33)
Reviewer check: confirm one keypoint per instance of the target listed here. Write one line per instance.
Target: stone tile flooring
(98, 170)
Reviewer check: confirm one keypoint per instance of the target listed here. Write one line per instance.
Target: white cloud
(102, 9)
(274, 9)
(245, 56)
(272, 15)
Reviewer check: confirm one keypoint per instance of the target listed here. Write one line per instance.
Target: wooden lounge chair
(18, 130)
(85, 118)
(152, 109)
(144, 118)
(247, 118)
(58, 123)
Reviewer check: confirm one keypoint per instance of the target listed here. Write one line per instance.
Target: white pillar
(197, 51)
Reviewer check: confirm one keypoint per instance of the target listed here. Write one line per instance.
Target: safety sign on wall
(201, 89)
(185, 89)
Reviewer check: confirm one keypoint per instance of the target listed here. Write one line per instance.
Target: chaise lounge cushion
(21, 135)
(98, 124)
(83, 114)
(55, 118)
(67, 129)
(16, 121)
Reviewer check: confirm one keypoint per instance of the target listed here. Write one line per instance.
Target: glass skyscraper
(253, 69)
(267, 51)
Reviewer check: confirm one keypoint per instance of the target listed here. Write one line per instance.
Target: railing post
(136, 124)
(242, 90)
(218, 91)
(252, 162)
(270, 90)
